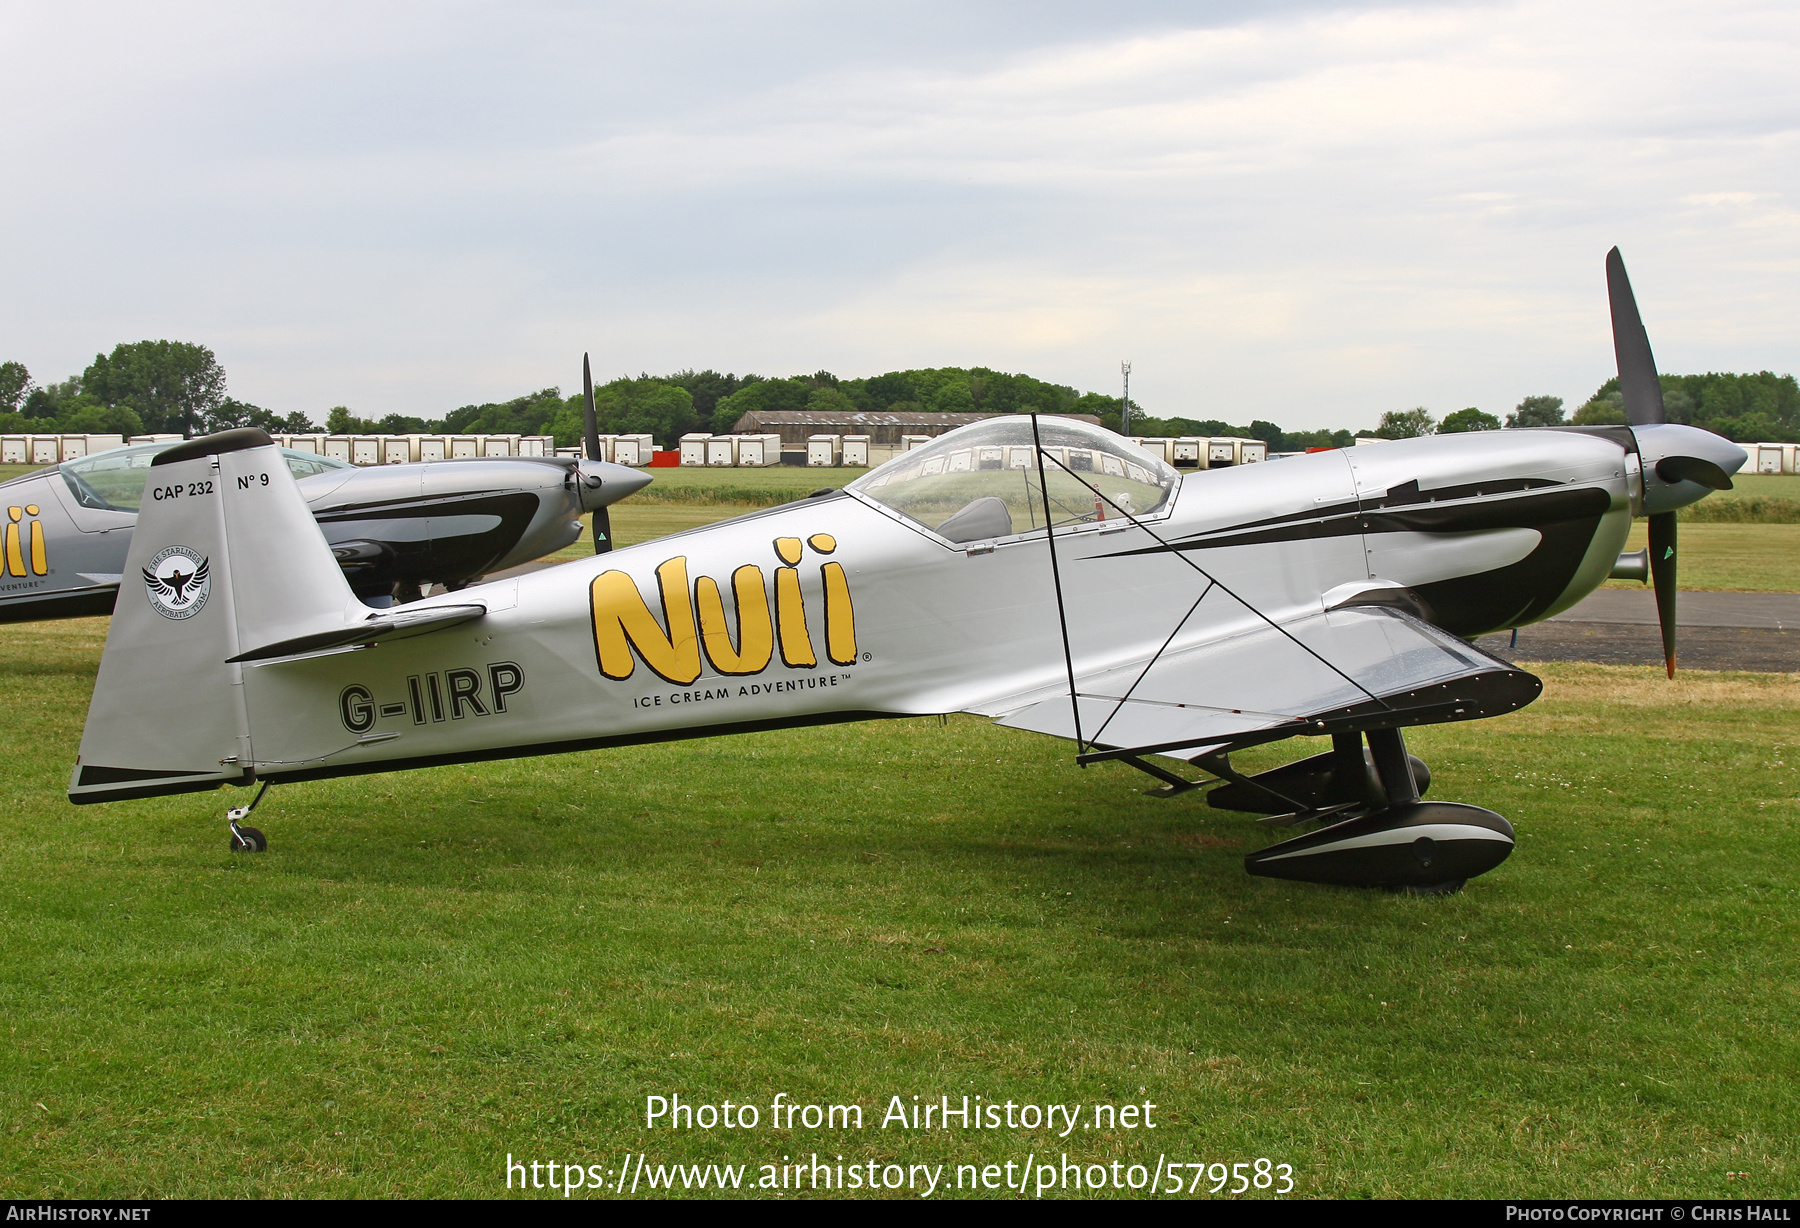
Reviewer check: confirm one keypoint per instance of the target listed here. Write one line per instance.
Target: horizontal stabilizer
(1358, 667)
(397, 624)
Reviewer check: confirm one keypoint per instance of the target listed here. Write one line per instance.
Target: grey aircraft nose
(1684, 464)
(603, 483)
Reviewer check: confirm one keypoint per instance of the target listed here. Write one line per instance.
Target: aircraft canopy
(114, 480)
(981, 481)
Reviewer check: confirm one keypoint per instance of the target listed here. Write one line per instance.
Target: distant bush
(719, 496)
(1751, 509)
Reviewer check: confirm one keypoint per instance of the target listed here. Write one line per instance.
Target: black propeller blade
(1662, 574)
(1631, 345)
(1642, 392)
(591, 425)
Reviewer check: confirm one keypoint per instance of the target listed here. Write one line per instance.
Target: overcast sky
(1308, 212)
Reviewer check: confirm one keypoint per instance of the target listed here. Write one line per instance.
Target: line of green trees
(142, 387)
(150, 386)
(1750, 408)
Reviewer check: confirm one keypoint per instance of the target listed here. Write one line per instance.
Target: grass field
(1744, 558)
(433, 970)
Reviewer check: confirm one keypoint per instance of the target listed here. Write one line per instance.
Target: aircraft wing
(1358, 667)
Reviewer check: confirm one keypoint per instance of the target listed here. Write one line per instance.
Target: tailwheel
(247, 839)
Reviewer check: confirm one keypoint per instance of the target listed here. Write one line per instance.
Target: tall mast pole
(1125, 401)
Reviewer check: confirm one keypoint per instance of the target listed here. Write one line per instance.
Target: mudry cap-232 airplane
(393, 529)
(1041, 572)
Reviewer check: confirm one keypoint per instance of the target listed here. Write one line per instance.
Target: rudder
(225, 558)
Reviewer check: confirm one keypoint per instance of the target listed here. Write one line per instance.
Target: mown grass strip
(431, 970)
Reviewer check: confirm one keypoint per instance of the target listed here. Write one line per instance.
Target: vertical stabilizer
(226, 557)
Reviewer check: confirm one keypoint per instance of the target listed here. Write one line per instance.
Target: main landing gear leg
(247, 839)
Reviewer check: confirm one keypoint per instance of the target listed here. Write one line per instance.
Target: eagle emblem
(177, 582)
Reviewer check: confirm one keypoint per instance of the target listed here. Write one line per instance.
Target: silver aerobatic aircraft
(1041, 572)
(394, 529)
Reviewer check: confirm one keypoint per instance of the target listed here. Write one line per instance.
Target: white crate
(577, 453)
(45, 449)
(456, 446)
(501, 445)
(104, 443)
(1221, 452)
(855, 452)
(337, 447)
(633, 450)
(824, 451)
(1190, 452)
(396, 450)
(365, 449)
(1252, 451)
(721, 450)
(15, 449)
(909, 442)
(693, 448)
(434, 448)
(314, 444)
(537, 445)
(1162, 447)
(1770, 457)
(759, 451)
(74, 446)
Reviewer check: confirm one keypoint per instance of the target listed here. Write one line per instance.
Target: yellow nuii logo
(23, 540)
(625, 629)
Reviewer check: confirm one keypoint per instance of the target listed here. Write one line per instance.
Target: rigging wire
(1056, 579)
(1182, 555)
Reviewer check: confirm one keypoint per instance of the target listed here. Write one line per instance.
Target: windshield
(114, 481)
(981, 481)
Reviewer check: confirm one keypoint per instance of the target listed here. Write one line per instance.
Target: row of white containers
(635, 450)
(1187, 452)
(53, 449)
(750, 451)
(832, 451)
(1204, 452)
(355, 449)
(700, 450)
(1024, 456)
(406, 449)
